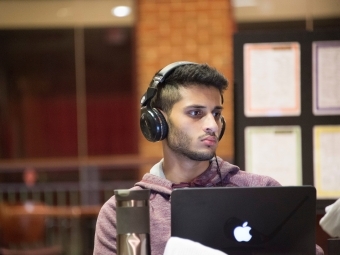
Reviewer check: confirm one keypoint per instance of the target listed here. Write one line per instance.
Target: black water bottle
(133, 222)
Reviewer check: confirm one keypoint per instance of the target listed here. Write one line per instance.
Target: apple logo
(242, 233)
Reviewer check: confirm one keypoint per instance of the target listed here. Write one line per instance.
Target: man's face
(194, 123)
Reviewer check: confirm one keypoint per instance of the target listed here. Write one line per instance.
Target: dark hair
(186, 76)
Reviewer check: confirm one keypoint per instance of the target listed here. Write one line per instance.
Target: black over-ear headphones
(152, 122)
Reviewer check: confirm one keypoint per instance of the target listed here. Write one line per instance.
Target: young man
(182, 108)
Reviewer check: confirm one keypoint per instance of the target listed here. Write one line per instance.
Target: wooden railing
(49, 213)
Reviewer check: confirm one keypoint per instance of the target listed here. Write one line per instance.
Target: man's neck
(180, 169)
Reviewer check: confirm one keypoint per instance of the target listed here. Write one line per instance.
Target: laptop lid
(247, 220)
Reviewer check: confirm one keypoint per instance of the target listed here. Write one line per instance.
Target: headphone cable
(218, 170)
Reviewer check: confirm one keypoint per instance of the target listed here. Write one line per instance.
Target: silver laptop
(247, 220)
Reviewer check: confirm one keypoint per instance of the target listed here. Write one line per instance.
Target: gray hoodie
(161, 188)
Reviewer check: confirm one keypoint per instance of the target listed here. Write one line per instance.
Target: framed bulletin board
(287, 108)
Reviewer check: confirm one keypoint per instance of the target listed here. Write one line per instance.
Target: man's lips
(209, 140)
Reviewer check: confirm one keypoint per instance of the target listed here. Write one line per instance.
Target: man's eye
(195, 113)
(217, 115)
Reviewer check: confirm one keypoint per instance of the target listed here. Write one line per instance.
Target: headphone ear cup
(222, 129)
(153, 124)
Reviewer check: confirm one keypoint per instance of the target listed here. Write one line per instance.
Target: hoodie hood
(209, 178)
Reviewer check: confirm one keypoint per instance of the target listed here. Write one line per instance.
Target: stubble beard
(179, 142)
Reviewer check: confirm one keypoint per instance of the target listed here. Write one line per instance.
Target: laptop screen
(247, 220)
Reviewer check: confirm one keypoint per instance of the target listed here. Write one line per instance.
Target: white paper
(326, 78)
(272, 79)
(276, 152)
(327, 161)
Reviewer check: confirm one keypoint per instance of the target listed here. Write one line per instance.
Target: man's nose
(210, 124)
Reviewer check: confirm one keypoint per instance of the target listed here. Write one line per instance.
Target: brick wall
(193, 30)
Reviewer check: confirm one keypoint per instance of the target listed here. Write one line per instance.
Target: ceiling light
(121, 11)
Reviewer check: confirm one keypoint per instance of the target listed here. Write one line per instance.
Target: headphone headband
(159, 77)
